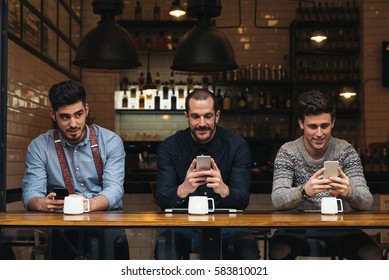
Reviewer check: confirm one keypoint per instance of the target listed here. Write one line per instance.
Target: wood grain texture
(149, 219)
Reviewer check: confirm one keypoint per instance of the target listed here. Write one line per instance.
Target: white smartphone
(203, 163)
(331, 167)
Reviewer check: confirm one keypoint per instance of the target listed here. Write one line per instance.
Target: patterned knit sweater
(293, 167)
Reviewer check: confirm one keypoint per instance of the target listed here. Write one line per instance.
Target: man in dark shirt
(227, 182)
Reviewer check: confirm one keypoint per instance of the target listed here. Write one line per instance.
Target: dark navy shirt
(231, 154)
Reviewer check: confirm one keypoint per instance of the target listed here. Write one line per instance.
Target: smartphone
(60, 192)
(331, 169)
(203, 163)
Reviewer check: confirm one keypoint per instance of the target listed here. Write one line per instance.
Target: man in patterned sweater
(298, 183)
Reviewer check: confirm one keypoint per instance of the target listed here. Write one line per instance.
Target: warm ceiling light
(108, 46)
(347, 92)
(318, 36)
(204, 48)
(149, 87)
(176, 10)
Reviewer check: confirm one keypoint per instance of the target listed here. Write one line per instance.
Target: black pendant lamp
(204, 48)
(107, 46)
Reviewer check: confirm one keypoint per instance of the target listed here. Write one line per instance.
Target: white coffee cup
(199, 205)
(75, 205)
(331, 205)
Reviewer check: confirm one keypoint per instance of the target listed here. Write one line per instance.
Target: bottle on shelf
(266, 72)
(219, 98)
(148, 41)
(189, 82)
(173, 101)
(261, 100)
(133, 104)
(165, 101)
(175, 40)
(367, 166)
(259, 71)
(255, 101)
(157, 82)
(226, 101)
(141, 101)
(137, 41)
(156, 12)
(376, 161)
(125, 100)
(172, 81)
(141, 81)
(161, 42)
(242, 104)
(385, 160)
(268, 104)
(138, 11)
(157, 102)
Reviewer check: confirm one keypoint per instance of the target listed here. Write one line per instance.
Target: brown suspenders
(64, 165)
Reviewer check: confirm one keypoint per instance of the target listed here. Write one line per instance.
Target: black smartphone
(60, 192)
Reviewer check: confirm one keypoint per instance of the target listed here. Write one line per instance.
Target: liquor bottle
(172, 82)
(259, 71)
(137, 41)
(141, 101)
(156, 12)
(173, 101)
(133, 104)
(125, 100)
(148, 42)
(261, 100)
(165, 91)
(242, 103)
(157, 82)
(226, 101)
(252, 72)
(249, 98)
(133, 90)
(273, 73)
(189, 82)
(138, 11)
(219, 98)
(141, 81)
(266, 72)
(157, 102)
(268, 100)
(385, 161)
(175, 40)
(165, 101)
(368, 166)
(255, 102)
(376, 161)
(124, 83)
(181, 90)
(161, 42)
(288, 101)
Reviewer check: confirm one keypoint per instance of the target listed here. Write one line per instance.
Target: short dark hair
(314, 103)
(66, 93)
(201, 94)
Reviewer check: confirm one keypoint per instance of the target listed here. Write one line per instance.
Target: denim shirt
(43, 171)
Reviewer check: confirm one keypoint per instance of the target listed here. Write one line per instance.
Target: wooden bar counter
(211, 224)
(160, 219)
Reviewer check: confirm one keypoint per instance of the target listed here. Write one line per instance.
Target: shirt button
(205, 193)
(75, 151)
(77, 168)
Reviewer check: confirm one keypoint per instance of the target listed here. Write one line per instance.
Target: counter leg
(212, 243)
